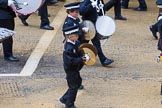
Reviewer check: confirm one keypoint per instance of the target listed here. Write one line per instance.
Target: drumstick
(104, 41)
(24, 3)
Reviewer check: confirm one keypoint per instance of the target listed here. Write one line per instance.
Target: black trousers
(159, 25)
(74, 81)
(43, 13)
(113, 3)
(7, 43)
(125, 3)
(142, 3)
(155, 27)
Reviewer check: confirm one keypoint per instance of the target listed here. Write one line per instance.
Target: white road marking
(42, 45)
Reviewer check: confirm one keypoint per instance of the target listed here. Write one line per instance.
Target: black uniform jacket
(160, 32)
(5, 11)
(69, 21)
(88, 12)
(158, 2)
(71, 59)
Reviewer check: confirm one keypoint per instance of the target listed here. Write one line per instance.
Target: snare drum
(105, 27)
(26, 7)
(5, 33)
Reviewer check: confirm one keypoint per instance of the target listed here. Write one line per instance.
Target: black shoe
(81, 87)
(107, 62)
(22, 20)
(62, 0)
(153, 32)
(124, 7)
(47, 27)
(11, 59)
(120, 18)
(49, 15)
(52, 2)
(62, 100)
(70, 106)
(140, 9)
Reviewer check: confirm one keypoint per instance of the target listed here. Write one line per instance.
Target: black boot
(117, 9)
(124, 4)
(142, 6)
(23, 19)
(52, 2)
(153, 30)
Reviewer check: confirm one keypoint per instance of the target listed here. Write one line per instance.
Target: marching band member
(72, 19)
(7, 21)
(72, 65)
(88, 11)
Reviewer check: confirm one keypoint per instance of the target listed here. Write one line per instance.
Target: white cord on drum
(97, 8)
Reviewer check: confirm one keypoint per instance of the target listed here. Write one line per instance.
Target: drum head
(105, 26)
(27, 6)
(91, 32)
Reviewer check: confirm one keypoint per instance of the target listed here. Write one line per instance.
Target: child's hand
(87, 57)
(85, 29)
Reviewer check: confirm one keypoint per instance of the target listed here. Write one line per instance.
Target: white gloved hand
(10, 2)
(85, 29)
(94, 4)
(87, 57)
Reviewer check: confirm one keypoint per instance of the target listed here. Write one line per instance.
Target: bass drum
(105, 27)
(26, 7)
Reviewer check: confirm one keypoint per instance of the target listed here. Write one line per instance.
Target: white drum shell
(33, 6)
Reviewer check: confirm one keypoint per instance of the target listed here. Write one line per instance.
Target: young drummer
(72, 65)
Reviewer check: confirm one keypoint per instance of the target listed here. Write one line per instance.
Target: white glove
(87, 57)
(85, 29)
(94, 4)
(10, 2)
(159, 6)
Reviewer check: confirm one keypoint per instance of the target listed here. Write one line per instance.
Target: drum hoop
(113, 22)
